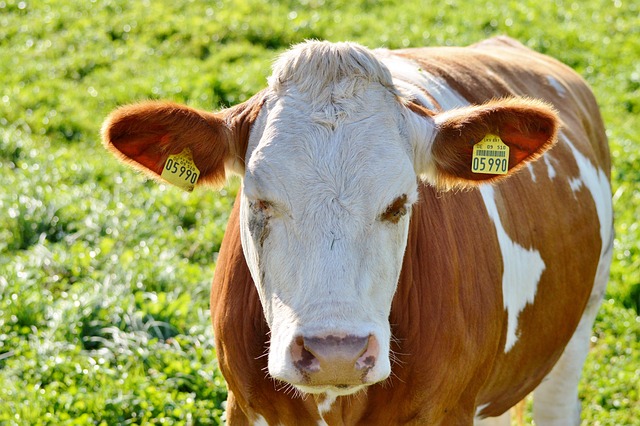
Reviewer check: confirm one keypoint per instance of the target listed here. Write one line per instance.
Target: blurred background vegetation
(104, 276)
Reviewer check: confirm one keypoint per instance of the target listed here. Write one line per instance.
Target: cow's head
(329, 154)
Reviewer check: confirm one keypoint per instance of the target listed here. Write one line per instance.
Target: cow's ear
(526, 127)
(146, 134)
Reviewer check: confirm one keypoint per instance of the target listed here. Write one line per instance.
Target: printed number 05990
(172, 166)
(491, 164)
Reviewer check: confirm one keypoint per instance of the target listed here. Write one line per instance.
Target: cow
(422, 236)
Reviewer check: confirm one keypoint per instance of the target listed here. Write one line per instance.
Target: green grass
(104, 276)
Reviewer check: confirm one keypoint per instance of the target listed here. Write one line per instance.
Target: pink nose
(335, 360)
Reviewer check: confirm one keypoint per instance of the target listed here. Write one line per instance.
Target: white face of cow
(324, 220)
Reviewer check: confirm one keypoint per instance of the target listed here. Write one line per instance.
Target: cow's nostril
(367, 360)
(304, 360)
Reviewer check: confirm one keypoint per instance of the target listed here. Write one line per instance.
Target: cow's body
(448, 316)
(496, 282)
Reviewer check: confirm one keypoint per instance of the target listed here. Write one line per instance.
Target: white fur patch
(325, 405)
(575, 184)
(479, 408)
(551, 171)
(260, 421)
(597, 184)
(522, 270)
(557, 86)
(413, 80)
(531, 171)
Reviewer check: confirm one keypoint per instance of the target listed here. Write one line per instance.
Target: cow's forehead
(332, 126)
(366, 156)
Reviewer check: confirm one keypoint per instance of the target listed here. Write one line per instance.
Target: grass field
(104, 276)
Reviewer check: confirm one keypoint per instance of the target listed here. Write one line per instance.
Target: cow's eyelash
(261, 205)
(396, 210)
(267, 207)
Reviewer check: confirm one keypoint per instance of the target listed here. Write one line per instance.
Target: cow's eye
(261, 206)
(395, 210)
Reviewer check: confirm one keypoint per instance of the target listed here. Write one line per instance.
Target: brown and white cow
(367, 275)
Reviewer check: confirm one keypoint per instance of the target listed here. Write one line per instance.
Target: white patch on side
(533, 174)
(522, 270)
(557, 86)
(321, 422)
(575, 184)
(598, 185)
(555, 400)
(551, 172)
(409, 77)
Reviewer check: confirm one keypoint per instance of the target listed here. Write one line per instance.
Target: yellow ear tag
(181, 171)
(490, 156)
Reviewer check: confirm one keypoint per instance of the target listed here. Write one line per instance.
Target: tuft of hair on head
(313, 65)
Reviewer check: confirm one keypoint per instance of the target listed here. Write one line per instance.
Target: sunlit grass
(104, 276)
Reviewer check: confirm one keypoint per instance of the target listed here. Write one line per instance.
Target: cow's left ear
(179, 144)
(527, 127)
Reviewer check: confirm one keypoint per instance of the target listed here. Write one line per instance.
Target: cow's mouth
(333, 390)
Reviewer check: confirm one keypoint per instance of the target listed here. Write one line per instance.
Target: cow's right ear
(445, 142)
(145, 134)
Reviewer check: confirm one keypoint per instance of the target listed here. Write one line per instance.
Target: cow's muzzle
(340, 361)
